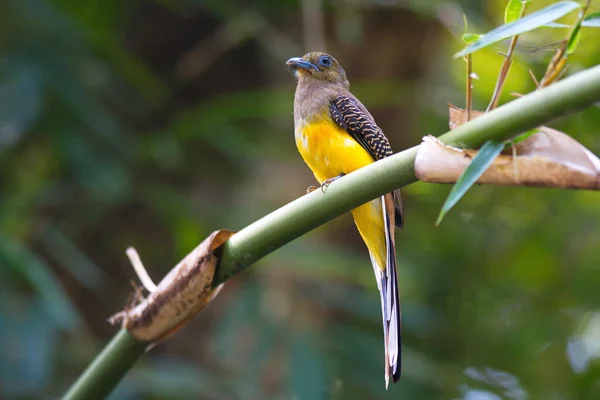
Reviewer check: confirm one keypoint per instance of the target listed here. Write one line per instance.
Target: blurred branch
(558, 65)
(316, 208)
(276, 43)
(469, 88)
(312, 25)
(235, 32)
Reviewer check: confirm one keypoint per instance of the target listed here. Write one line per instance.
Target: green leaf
(307, 372)
(592, 20)
(525, 24)
(574, 39)
(513, 10)
(20, 99)
(524, 136)
(64, 250)
(39, 275)
(28, 327)
(469, 38)
(486, 155)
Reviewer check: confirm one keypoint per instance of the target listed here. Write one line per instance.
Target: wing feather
(351, 115)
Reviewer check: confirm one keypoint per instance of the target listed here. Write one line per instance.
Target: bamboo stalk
(108, 368)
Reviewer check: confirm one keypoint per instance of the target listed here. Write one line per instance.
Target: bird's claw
(325, 183)
(329, 181)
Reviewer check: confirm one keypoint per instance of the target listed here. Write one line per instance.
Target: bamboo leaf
(39, 275)
(592, 20)
(513, 10)
(307, 376)
(524, 136)
(574, 39)
(525, 24)
(486, 155)
(469, 38)
(20, 101)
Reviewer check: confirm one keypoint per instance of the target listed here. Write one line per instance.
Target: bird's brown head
(319, 67)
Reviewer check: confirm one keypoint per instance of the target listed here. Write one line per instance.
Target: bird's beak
(295, 63)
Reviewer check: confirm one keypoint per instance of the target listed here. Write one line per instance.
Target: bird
(335, 135)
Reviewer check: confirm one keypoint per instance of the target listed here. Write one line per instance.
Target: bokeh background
(152, 123)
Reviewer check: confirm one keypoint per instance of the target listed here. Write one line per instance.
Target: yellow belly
(330, 151)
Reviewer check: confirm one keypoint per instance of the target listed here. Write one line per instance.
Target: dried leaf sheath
(547, 159)
(179, 297)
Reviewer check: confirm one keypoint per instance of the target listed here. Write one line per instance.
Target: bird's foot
(328, 182)
(325, 183)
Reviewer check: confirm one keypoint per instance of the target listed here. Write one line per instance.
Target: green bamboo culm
(316, 208)
(108, 368)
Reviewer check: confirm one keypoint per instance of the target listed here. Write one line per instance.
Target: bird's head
(318, 66)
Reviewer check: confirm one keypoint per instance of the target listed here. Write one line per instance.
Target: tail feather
(399, 209)
(394, 320)
(387, 283)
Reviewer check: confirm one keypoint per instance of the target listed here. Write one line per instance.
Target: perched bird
(336, 135)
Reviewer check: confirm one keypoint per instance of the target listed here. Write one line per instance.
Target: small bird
(336, 135)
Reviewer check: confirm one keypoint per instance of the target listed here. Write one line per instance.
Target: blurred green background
(152, 123)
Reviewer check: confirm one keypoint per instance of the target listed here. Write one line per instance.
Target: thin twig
(555, 65)
(313, 25)
(141, 272)
(504, 69)
(469, 105)
(555, 69)
(197, 60)
(515, 163)
(537, 84)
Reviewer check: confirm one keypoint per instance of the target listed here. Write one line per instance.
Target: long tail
(387, 282)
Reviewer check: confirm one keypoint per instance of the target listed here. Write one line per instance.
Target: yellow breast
(328, 149)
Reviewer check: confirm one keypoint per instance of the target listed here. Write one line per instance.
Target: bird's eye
(325, 61)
